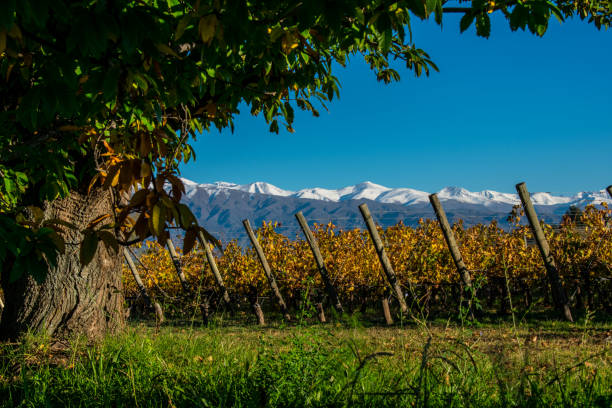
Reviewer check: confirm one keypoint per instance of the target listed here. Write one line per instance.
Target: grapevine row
(496, 258)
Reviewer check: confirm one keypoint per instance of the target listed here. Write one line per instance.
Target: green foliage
(109, 93)
(28, 249)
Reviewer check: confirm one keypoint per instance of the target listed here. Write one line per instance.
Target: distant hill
(221, 206)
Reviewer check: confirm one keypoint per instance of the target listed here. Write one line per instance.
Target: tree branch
(456, 9)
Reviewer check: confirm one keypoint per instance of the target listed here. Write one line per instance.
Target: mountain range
(220, 207)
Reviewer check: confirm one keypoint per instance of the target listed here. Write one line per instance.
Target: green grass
(336, 365)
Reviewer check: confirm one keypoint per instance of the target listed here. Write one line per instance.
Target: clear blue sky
(512, 108)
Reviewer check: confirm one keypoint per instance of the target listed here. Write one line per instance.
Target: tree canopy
(109, 93)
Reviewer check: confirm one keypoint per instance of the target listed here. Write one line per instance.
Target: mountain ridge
(376, 192)
(220, 207)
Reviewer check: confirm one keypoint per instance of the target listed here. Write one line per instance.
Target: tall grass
(313, 366)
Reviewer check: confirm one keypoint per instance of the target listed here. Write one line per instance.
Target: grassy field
(335, 365)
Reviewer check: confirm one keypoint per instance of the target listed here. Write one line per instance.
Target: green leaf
(163, 48)
(189, 240)
(138, 198)
(141, 81)
(158, 219)
(181, 26)
(207, 28)
(57, 241)
(88, 248)
(387, 37)
(269, 113)
(187, 219)
(359, 15)
(274, 126)
(431, 5)
(556, 11)
(519, 17)
(483, 25)
(109, 239)
(466, 21)
(289, 114)
(439, 12)
(37, 214)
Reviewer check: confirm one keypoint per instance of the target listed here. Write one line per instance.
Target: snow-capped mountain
(221, 206)
(406, 196)
(258, 187)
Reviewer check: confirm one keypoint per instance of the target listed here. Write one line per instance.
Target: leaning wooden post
(609, 190)
(213, 266)
(266, 268)
(143, 290)
(558, 293)
(177, 264)
(464, 273)
(382, 255)
(316, 252)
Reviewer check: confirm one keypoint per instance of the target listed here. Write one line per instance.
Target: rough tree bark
(73, 299)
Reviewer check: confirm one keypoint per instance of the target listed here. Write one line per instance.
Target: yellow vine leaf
(289, 42)
(207, 28)
(167, 50)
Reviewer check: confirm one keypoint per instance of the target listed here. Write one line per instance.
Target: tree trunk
(73, 300)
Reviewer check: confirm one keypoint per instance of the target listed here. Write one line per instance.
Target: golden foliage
(418, 255)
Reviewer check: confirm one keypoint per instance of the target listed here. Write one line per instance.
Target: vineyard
(506, 270)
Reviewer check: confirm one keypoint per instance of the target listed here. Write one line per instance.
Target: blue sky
(514, 107)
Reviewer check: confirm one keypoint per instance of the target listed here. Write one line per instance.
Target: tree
(100, 99)
(574, 214)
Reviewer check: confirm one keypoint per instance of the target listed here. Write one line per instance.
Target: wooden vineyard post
(316, 252)
(609, 190)
(205, 310)
(321, 312)
(159, 314)
(177, 264)
(318, 296)
(558, 293)
(267, 270)
(464, 273)
(386, 309)
(213, 267)
(259, 313)
(252, 295)
(382, 255)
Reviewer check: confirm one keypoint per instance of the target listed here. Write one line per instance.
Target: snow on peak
(264, 188)
(403, 196)
(258, 187)
(454, 193)
(548, 199)
(406, 196)
(483, 197)
(366, 190)
(224, 184)
(319, 194)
